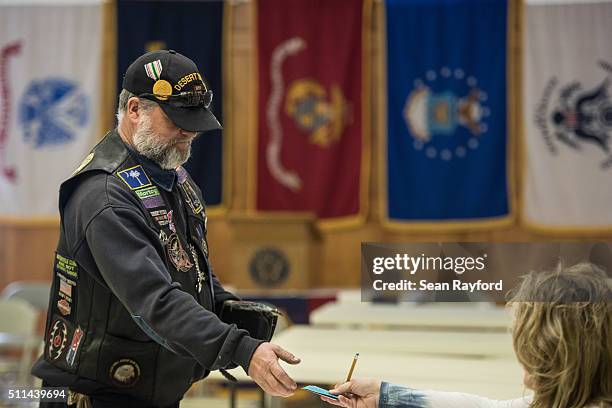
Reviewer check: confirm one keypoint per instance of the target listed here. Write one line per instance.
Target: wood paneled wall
(26, 249)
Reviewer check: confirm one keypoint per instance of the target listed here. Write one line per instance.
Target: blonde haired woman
(562, 335)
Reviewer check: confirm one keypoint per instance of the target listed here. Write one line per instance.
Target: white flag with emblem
(50, 83)
(567, 146)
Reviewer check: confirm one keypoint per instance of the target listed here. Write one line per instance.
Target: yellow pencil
(350, 374)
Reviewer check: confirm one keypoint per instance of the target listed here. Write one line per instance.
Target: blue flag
(446, 118)
(195, 29)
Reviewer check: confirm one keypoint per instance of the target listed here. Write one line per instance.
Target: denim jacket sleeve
(396, 396)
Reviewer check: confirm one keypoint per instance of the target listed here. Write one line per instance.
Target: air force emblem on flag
(52, 111)
(446, 114)
(135, 177)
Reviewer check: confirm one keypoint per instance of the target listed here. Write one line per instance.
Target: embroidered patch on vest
(135, 177)
(65, 294)
(57, 339)
(160, 216)
(191, 197)
(64, 307)
(178, 256)
(124, 372)
(74, 345)
(66, 265)
(150, 197)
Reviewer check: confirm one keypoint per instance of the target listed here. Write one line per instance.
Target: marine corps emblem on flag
(313, 103)
(306, 102)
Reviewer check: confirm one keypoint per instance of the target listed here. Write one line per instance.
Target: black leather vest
(89, 333)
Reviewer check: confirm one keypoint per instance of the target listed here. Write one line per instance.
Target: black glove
(257, 318)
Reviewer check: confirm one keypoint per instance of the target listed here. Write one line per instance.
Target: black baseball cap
(174, 82)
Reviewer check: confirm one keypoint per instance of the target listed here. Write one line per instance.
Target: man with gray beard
(133, 318)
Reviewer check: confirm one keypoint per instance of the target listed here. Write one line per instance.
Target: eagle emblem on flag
(578, 116)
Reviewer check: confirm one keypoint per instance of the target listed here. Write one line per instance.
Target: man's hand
(268, 374)
(363, 393)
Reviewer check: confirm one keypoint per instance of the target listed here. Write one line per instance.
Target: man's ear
(134, 110)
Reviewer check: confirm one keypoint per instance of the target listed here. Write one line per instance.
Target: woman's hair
(562, 335)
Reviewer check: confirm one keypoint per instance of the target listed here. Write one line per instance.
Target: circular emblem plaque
(269, 267)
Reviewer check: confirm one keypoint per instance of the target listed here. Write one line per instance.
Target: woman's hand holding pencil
(356, 393)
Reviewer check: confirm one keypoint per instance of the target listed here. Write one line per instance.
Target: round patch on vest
(124, 372)
(57, 340)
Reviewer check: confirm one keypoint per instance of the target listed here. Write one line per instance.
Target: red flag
(311, 127)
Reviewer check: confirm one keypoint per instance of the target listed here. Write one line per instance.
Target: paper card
(320, 391)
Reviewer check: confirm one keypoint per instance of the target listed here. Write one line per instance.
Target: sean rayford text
(424, 285)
